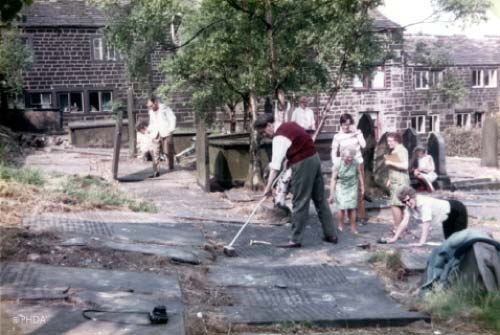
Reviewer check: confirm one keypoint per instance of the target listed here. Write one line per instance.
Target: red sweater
(302, 144)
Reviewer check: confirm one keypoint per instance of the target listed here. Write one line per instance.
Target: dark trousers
(457, 219)
(307, 184)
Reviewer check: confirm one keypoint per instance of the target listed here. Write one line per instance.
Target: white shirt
(426, 164)
(144, 142)
(281, 144)
(304, 117)
(429, 209)
(162, 121)
(343, 140)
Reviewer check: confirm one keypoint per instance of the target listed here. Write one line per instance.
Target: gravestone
(367, 127)
(202, 158)
(489, 143)
(411, 141)
(380, 171)
(436, 148)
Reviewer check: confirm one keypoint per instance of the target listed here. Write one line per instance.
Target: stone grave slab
(414, 261)
(88, 289)
(321, 294)
(152, 232)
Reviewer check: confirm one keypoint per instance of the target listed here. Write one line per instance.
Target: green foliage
(10, 8)
(15, 58)
(21, 175)
(468, 11)
(137, 28)
(465, 300)
(99, 193)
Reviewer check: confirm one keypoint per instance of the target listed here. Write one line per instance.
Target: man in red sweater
(291, 141)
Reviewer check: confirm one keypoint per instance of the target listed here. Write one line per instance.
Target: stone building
(78, 76)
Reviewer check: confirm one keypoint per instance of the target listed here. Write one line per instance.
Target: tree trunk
(231, 111)
(254, 178)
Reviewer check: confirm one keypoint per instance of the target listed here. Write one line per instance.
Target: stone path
(321, 283)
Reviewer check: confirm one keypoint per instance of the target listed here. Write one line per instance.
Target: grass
(98, 193)
(390, 261)
(465, 300)
(23, 175)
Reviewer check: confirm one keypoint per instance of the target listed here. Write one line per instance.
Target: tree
(15, 58)
(10, 8)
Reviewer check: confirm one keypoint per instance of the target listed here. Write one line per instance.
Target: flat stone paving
(90, 289)
(320, 294)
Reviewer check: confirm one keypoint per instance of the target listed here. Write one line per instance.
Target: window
(103, 51)
(374, 80)
(477, 120)
(70, 102)
(98, 48)
(111, 53)
(435, 79)
(40, 100)
(421, 80)
(484, 78)
(462, 120)
(418, 123)
(434, 123)
(100, 101)
(15, 101)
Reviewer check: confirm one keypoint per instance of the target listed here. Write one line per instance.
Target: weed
(22, 175)
(390, 261)
(464, 299)
(142, 206)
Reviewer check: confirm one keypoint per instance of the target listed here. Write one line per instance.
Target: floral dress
(346, 190)
(398, 178)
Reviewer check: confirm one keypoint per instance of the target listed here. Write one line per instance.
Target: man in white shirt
(304, 115)
(161, 126)
(451, 215)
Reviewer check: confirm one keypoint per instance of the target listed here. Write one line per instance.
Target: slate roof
(460, 49)
(382, 22)
(62, 13)
(74, 13)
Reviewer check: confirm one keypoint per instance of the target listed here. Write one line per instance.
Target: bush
(463, 143)
(22, 175)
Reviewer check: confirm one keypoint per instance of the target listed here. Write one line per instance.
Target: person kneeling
(451, 215)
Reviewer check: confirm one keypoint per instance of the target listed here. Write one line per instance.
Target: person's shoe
(331, 239)
(290, 244)
(155, 175)
(284, 208)
(363, 222)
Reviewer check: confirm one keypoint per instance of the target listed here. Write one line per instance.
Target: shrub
(22, 175)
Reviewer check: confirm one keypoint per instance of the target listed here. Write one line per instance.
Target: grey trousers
(307, 184)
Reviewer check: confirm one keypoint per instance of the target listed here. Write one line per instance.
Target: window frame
(467, 116)
(367, 80)
(419, 129)
(434, 123)
(99, 98)
(492, 75)
(100, 48)
(417, 74)
(60, 93)
(30, 104)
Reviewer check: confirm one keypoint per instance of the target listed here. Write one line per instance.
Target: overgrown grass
(100, 193)
(21, 175)
(465, 300)
(390, 261)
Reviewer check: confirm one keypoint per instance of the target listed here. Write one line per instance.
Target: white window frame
(419, 128)
(434, 123)
(99, 97)
(97, 48)
(463, 116)
(421, 79)
(482, 75)
(367, 81)
(41, 94)
(475, 117)
(69, 101)
(435, 78)
(111, 53)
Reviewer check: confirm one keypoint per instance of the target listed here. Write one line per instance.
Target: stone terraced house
(76, 76)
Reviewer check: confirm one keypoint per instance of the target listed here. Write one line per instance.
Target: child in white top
(425, 168)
